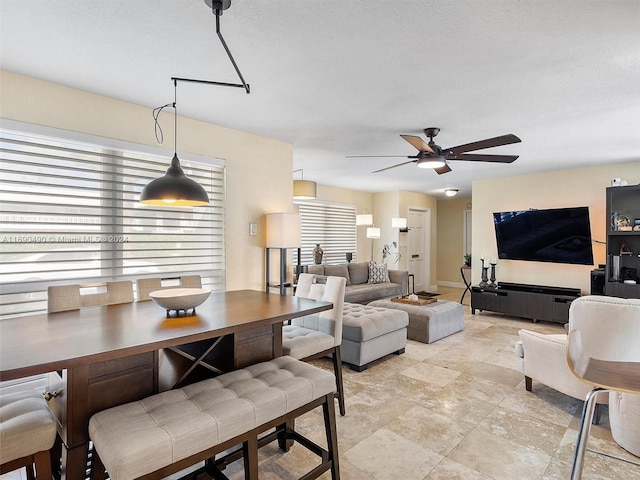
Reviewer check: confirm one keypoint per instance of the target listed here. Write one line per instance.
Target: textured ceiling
(347, 77)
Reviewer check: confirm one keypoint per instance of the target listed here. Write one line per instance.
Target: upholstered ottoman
(431, 322)
(369, 333)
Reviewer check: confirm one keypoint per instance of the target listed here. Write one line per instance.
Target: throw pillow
(378, 273)
(337, 271)
(358, 272)
(316, 269)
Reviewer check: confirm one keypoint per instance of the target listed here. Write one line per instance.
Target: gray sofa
(358, 289)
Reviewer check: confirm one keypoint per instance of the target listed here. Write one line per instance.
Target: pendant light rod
(175, 118)
(224, 44)
(210, 82)
(217, 8)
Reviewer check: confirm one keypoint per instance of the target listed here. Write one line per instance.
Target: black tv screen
(561, 235)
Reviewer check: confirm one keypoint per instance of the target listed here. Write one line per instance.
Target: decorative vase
(492, 279)
(317, 254)
(484, 279)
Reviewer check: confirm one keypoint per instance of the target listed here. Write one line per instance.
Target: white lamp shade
(364, 219)
(283, 230)
(399, 222)
(304, 190)
(373, 232)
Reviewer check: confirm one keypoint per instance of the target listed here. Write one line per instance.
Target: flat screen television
(560, 235)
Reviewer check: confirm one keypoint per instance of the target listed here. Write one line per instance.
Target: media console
(536, 302)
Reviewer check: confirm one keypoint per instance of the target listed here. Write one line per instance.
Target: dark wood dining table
(99, 357)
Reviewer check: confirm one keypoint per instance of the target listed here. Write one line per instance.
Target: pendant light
(303, 189)
(174, 189)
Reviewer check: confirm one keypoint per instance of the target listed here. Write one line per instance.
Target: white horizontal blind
(333, 226)
(70, 214)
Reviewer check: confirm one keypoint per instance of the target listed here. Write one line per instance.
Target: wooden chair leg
(250, 454)
(337, 369)
(42, 462)
(329, 413)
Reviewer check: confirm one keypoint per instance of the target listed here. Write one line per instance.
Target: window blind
(333, 226)
(70, 214)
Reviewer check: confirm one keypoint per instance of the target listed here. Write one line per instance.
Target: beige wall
(450, 235)
(259, 171)
(561, 188)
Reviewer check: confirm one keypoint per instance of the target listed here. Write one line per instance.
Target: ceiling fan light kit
(431, 162)
(433, 156)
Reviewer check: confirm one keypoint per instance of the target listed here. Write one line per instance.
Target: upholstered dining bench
(170, 431)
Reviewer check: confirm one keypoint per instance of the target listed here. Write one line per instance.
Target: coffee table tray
(420, 301)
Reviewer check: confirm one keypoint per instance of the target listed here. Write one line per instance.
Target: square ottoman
(431, 322)
(370, 333)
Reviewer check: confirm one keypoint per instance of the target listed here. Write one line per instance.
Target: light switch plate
(253, 229)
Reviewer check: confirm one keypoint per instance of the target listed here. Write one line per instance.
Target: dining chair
(602, 350)
(62, 298)
(318, 335)
(148, 285)
(28, 433)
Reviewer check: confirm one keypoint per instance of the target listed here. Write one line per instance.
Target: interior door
(418, 249)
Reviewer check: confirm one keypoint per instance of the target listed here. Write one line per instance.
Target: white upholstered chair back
(147, 285)
(62, 298)
(329, 321)
(605, 328)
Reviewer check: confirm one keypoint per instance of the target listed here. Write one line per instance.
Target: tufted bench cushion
(431, 322)
(26, 425)
(369, 333)
(141, 437)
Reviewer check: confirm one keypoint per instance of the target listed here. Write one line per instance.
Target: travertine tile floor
(454, 409)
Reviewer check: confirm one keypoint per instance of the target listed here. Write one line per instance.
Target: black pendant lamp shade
(174, 189)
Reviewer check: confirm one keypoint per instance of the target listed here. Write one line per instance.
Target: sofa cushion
(358, 272)
(316, 269)
(371, 291)
(378, 273)
(337, 271)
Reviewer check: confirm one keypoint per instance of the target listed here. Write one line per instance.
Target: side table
(466, 282)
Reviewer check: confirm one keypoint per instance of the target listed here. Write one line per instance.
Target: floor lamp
(283, 232)
(373, 233)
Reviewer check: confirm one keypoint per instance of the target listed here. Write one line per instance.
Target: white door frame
(426, 245)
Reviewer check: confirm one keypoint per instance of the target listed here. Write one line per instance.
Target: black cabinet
(623, 242)
(536, 302)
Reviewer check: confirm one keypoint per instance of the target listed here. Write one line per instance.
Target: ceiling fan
(433, 156)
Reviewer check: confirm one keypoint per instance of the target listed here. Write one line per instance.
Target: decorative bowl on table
(180, 298)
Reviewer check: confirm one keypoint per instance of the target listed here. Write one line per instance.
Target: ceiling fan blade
(418, 143)
(443, 169)
(488, 143)
(394, 166)
(478, 157)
